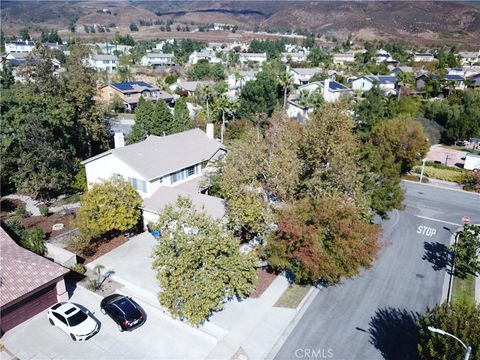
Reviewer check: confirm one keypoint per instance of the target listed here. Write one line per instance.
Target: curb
(441, 187)
(301, 309)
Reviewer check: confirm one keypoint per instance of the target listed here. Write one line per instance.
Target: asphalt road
(373, 316)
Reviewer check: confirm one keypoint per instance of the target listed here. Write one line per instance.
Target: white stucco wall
(361, 84)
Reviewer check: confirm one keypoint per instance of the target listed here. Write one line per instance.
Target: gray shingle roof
(192, 85)
(212, 206)
(100, 57)
(158, 156)
(307, 71)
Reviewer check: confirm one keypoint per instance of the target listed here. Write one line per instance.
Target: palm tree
(286, 81)
(303, 100)
(223, 105)
(208, 94)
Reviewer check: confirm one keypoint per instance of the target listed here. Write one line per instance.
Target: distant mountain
(424, 22)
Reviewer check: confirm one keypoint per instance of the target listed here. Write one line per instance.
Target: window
(60, 317)
(183, 174)
(137, 184)
(145, 94)
(191, 171)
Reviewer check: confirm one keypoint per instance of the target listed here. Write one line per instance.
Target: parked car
(125, 312)
(73, 321)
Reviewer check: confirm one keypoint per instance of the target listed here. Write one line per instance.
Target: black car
(124, 311)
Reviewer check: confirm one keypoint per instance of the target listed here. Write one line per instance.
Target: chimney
(326, 85)
(119, 140)
(210, 130)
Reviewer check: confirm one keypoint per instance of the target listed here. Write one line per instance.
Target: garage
(28, 307)
(29, 283)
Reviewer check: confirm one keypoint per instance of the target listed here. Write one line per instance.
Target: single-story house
(342, 58)
(190, 86)
(29, 283)
(365, 83)
(423, 57)
(160, 163)
(293, 56)
(302, 76)
(458, 81)
(259, 58)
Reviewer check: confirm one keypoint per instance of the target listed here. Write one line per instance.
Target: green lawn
(68, 200)
(292, 297)
(464, 289)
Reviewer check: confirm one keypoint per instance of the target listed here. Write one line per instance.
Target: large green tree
(112, 205)
(259, 96)
(461, 319)
(198, 263)
(467, 251)
(181, 116)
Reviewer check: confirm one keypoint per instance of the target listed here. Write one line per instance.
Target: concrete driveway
(131, 265)
(159, 338)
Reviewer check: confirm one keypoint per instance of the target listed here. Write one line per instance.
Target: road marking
(437, 220)
(426, 230)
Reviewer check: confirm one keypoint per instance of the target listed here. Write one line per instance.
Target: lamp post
(442, 332)
(424, 160)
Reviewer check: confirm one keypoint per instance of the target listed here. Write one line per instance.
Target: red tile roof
(22, 271)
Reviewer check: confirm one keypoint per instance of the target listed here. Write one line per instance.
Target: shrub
(44, 211)
(472, 182)
(453, 175)
(171, 79)
(15, 226)
(22, 212)
(79, 268)
(34, 240)
(78, 243)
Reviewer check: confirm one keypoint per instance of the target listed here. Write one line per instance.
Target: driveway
(131, 265)
(373, 316)
(159, 338)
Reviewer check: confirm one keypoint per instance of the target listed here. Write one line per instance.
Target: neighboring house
(469, 57)
(402, 69)
(29, 283)
(191, 86)
(130, 93)
(158, 164)
(332, 92)
(207, 54)
(100, 62)
(456, 71)
(114, 48)
(302, 76)
(258, 58)
(365, 83)
(19, 46)
(343, 58)
(423, 57)
(474, 80)
(298, 112)
(158, 60)
(294, 57)
(236, 81)
(457, 81)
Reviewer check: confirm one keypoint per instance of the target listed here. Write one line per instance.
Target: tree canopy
(198, 263)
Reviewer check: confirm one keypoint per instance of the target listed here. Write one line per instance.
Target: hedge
(453, 175)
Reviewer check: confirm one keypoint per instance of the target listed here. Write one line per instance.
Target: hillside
(422, 22)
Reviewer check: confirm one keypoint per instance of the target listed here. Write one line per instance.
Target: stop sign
(466, 219)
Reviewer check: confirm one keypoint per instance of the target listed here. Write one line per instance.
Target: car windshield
(130, 311)
(77, 318)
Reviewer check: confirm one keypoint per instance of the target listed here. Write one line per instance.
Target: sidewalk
(255, 326)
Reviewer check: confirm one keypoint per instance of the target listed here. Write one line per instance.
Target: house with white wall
(157, 164)
(293, 56)
(365, 83)
(302, 76)
(332, 91)
(423, 57)
(343, 58)
(207, 54)
(19, 46)
(258, 58)
(157, 60)
(100, 62)
(236, 81)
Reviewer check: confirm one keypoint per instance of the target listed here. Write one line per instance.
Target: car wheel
(73, 337)
(120, 328)
(51, 322)
(103, 311)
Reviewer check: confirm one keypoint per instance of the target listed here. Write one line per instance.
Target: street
(373, 316)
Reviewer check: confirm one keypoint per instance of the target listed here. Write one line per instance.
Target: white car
(73, 321)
